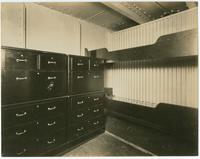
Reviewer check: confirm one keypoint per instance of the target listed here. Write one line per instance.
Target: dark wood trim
(179, 121)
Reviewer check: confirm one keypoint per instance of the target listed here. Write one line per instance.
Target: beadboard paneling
(139, 83)
(148, 33)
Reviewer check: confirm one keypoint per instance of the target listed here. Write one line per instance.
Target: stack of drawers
(86, 111)
(48, 100)
(33, 109)
(85, 74)
(87, 114)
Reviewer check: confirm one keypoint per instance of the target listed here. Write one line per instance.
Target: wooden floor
(105, 145)
(121, 136)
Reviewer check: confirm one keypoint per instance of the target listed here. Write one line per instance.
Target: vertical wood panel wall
(136, 82)
(148, 33)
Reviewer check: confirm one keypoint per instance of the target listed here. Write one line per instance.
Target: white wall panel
(136, 82)
(12, 25)
(92, 37)
(148, 33)
(51, 30)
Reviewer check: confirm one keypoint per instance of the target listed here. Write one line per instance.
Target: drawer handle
(51, 77)
(80, 129)
(51, 62)
(95, 76)
(80, 77)
(19, 115)
(96, 99)
(96, 123)
(20, 153)
(21, 133)
(51, 142)
(80, 64)
(95, 65)
(80, 115)
(21, 60)
(80, 102)
(51, 124)
(21, 78)
(96, 110)
(51, 108)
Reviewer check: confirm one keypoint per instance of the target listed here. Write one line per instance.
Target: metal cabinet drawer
(51, 125)
(80, 102)
(19, 115)
(97, 99)
(52, 140)
(79, 63)
(96, 64)
(78, 130)
(21, 132)
(52, 108)
(79, 82)
(15, 147)
(96, 81)
(18, 59)
(80, 115)
(52, 84)
(96, 111)
(52, 62)
(97, 122)
(18, 86)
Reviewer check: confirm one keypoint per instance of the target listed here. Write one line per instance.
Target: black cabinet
(78, 63)
(51, 84)
(85, 74)
(48, 100)
(29, 123)
(96, 81)
(52, 62)
(19, 59)
(79, 82)
(87, 114)
(34, 102)
(96, 64)
(19, 86)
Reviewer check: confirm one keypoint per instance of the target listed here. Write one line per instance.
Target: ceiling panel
(94, 12)
(82, 10)
(118, 15)
(152, 9)
(173, 6)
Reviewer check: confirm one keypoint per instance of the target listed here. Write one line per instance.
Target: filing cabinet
(37, 75)
(14, 59)
(96, 81)
(79, 82)
(78, 63)
(52, 84)
(33, 123)
(52, 62)
(85, 74)
(87, 114)
(48, 100)
(18, 86)
(96, 64)
(34, 102)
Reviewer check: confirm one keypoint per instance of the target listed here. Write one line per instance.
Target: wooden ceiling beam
(126, 12)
